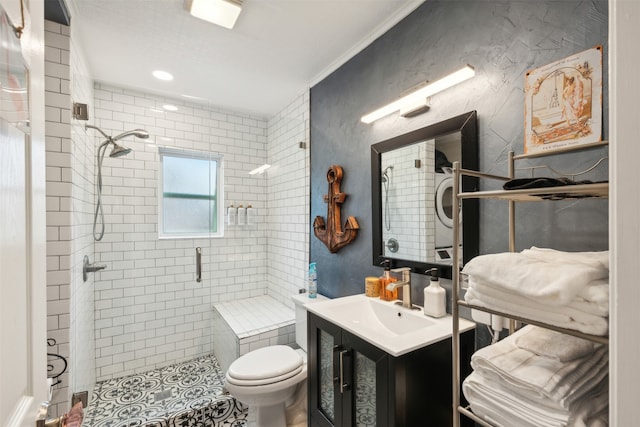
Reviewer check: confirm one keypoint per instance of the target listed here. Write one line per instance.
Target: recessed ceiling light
(219, 12)
(170, 107)
(162, 75)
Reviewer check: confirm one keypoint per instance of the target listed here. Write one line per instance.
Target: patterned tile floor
(185, 394)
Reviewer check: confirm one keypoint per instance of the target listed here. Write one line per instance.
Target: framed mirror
(412, 195)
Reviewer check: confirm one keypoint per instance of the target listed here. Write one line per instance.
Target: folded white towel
(555, 345)
(593, 259)
(538, 376)
(571, 316)
(546, 281)
(504, 407)
(500, 406)
(601, 309)
(593, 298)
(593, 410)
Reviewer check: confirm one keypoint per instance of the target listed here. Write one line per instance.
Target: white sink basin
(394, 329)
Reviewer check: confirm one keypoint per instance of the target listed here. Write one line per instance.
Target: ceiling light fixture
(416, 102)
(162, 75)
(260, 170)
(219, 12)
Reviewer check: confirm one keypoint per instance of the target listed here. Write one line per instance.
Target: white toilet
(270, 378)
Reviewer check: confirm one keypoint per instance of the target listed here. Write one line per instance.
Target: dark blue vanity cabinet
(354, 383)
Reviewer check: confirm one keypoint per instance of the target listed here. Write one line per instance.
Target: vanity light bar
(418, 97)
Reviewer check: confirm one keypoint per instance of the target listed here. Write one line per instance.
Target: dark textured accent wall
(502, 41)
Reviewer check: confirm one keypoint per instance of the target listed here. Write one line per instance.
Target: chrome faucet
(405, 283)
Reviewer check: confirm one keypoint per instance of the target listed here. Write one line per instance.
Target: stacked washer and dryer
(444, 217)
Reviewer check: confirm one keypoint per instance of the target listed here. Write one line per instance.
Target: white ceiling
(278, 48)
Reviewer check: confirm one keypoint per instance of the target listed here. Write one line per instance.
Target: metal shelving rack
(596, 190)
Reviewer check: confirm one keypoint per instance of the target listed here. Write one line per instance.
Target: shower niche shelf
(240, 216)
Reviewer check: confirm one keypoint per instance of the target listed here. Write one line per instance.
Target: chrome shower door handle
(198, 264)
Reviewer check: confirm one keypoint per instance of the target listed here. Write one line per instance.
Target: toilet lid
(268, 364)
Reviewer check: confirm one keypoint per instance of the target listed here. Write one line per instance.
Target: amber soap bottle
(385, 280)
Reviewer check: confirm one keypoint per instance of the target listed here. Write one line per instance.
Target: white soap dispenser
(435, 297)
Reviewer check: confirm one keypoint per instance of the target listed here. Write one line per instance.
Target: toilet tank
(301, 316)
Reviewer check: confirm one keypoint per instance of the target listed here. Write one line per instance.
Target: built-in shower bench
(245, 325)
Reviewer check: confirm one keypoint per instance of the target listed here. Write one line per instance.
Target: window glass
(191, 194)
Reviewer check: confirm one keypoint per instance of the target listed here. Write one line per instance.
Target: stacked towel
(537, 377)
(566, 289)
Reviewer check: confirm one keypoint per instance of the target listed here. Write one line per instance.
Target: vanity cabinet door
(348, 378)
(324, 343)
(368, 398)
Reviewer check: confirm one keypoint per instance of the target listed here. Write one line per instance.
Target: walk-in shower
(117, 151)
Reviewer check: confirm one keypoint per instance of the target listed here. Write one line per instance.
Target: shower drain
(162, 395)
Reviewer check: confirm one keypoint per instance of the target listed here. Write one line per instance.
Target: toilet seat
(266, 365)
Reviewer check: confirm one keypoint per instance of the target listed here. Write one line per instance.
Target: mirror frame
(467, 125)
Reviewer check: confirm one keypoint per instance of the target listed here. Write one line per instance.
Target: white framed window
(190, 194)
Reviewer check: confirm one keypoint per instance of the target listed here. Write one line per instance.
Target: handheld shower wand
(386, 181)
(117, 151)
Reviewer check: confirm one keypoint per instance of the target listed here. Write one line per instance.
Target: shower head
(119, 150)
(385, 173)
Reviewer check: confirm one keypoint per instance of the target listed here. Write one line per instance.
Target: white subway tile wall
(411, 209)
(288, 226)
(236, 329)
(59, 202)
(150, 311)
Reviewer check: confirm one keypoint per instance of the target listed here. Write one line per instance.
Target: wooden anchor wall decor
(332, 234)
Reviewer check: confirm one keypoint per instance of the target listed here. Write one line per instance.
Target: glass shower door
(153, 345)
